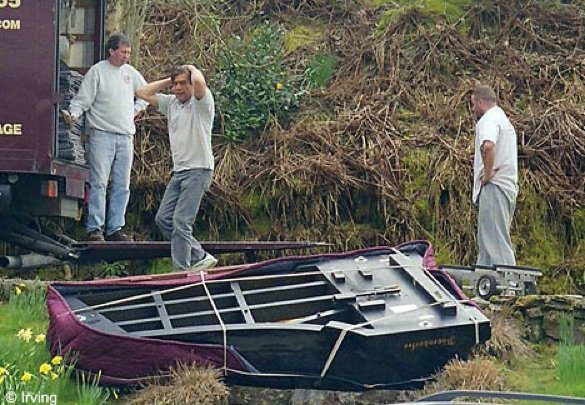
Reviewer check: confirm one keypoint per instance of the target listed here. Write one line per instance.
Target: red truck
(45, 47)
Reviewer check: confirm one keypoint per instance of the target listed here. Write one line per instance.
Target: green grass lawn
(557, 370)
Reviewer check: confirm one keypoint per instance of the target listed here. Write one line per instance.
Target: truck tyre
(486, 287)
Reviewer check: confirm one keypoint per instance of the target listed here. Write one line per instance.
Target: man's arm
(85, 97)
(148, 92)
(198, 82)
(488, 156)
(139, 105)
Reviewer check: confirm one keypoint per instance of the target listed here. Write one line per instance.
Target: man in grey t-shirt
(189, 113)
(495, 179)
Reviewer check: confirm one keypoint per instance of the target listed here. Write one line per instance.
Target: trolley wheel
(486, 287)
(530, 288)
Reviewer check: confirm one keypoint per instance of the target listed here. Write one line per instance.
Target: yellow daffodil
(45, 368)
(40, 338)
(56, 360)
(278, 86)
(17, 290)
(26, 376)
(22, 285)
(3, 371)
(54, 376)
(24, 334)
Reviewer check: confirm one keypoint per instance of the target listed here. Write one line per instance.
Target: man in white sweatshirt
(495, 179)
(189, 111)
(107, 97)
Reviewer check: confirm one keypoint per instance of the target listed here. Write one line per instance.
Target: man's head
(118, 48)
(483, 98)
(182, 86)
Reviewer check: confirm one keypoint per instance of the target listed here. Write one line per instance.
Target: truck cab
(46, 48)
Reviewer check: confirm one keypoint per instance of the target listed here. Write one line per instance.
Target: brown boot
(118, 236)
(96, 236)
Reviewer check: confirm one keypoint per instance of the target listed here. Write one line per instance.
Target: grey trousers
(496, 209)
(177, 212)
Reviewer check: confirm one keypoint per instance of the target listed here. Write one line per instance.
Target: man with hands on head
(495, 179)
(189, 112)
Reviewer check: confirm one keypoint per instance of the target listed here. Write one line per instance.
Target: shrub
(253, 84)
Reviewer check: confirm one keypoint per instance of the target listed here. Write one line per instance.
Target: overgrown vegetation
(379, 152)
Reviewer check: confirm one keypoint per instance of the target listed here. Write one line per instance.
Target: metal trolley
(486, 281)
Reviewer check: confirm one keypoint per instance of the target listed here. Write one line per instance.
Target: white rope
(350, 328)
(223, 328)
(334, 350)
(221, 280)
(476, 323)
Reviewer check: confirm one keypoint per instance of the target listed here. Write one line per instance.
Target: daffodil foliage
(27, 370)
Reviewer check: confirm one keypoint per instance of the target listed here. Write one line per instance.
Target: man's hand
(68, 119)
(197, 81)
(488, 155)
(487, 177)
(148, 92)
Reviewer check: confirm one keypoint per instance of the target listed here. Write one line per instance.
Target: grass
(189, 385)
(26, 366)
(555, 371)
(161, 266)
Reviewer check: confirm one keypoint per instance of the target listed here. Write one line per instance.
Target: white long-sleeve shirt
(107, 95)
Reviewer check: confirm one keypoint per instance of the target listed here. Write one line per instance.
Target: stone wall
(548, 318)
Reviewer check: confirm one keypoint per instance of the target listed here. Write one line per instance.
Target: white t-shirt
(495, 126)
(190, 126)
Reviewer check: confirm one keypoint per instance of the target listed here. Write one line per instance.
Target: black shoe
(96, 236)
(119, 236)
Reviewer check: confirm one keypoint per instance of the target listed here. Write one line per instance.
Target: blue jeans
(177, 212)
(109, 154)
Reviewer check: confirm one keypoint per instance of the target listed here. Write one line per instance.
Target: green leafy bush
(253, 84)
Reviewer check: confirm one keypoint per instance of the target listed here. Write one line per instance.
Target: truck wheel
(486, 287)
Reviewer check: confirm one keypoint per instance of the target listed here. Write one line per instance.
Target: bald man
(495, 178)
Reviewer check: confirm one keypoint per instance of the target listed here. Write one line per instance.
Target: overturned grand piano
(373, 318)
